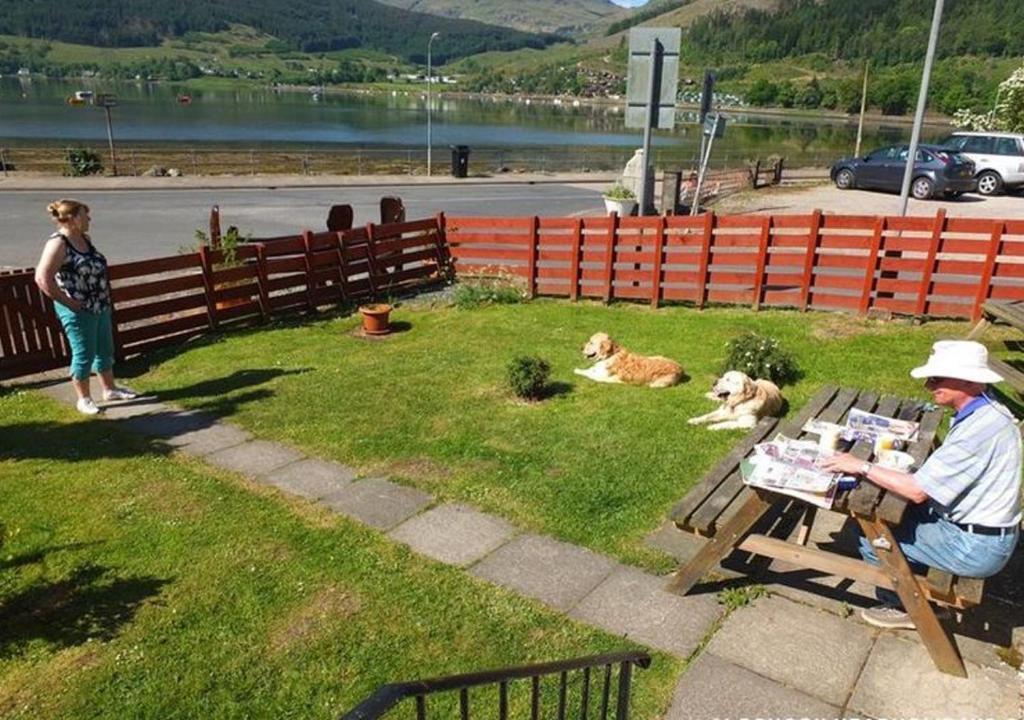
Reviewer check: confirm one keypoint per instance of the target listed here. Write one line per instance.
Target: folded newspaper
(789, 466)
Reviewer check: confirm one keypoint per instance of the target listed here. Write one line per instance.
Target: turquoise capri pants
(91, 337)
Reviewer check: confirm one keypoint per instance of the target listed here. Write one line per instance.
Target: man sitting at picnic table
(966, 497)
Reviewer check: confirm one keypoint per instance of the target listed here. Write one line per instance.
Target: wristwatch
(865, 468)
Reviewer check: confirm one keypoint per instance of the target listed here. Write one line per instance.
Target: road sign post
(106, 102)
(651, 91)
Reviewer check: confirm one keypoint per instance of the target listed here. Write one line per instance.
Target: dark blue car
(938, 172)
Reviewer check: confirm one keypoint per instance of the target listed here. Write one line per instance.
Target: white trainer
(119, 393)
(87, 407)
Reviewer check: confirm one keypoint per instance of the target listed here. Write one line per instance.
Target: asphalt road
(134, 225)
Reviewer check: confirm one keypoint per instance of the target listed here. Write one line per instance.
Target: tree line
(304, 25)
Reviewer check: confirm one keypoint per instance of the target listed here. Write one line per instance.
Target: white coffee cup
(895, 460)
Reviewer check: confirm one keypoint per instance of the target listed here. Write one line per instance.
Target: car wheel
(989, 183)
(844, 179)
(922, 188)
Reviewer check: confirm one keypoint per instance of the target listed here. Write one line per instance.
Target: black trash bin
(460, 161)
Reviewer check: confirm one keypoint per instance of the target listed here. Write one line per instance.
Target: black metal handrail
(387, 696)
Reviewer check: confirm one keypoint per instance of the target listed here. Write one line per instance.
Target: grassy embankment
(135, 583)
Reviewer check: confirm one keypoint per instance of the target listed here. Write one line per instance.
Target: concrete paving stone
(802, 647)
(168, 424)
(377, 502)
(134, 408)
(682, 546)
(901, 681)
(254, 459)
(454, 534)
(837, 595)
(636, 605)
(311, 479)
(556, 573)
(206, 440)
(716, 689)
(61, 392)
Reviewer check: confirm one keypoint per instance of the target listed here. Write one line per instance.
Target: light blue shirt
(975, 475)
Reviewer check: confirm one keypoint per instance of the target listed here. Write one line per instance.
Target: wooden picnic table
(725, 510)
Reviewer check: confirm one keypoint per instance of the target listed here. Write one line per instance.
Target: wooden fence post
(574, 261)
(263, 281)
(206, 265)
(813, 238)
(707, 242)
(762, 260)
(531, 260)
(609, 255)
(995, 240)
(444, 258)
(307, 244)
(929, 267)
(659, 249)
(872, 265)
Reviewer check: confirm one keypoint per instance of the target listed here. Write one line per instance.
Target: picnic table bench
(724, 510)
(1012, 313)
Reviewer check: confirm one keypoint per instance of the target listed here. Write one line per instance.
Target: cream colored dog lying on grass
(744, 402)
(618, 365)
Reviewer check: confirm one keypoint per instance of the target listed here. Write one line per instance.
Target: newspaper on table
(791, 467)
(861, 425)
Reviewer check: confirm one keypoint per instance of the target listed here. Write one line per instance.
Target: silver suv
(998, 158)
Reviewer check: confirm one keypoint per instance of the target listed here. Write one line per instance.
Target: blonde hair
(64, 210)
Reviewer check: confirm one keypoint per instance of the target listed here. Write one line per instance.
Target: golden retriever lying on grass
(744, 402)
(618, 365)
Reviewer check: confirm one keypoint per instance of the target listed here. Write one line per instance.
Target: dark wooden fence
(916, 266)
(169, 300)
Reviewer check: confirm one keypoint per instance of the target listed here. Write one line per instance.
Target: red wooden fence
(166, 301)
(918, 266)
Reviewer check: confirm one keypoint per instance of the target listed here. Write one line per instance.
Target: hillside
(574, 18)
(306, 25)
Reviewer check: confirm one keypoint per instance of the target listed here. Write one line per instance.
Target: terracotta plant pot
(375, 318)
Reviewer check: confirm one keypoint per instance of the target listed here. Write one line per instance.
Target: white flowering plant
(1008, 113)
(761, 357)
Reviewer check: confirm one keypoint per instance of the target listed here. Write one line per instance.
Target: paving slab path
(795, 652)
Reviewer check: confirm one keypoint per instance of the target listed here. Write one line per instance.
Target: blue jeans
(928, 540)
(91, 337)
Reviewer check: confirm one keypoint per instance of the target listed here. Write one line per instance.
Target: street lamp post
(922, 101)
(430, 42)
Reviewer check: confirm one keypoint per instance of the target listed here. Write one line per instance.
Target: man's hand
(842, 463)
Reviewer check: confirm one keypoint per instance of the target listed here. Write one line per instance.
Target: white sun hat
(960, 359)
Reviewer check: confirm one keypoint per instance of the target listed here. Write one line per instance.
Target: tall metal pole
(110, 141)
(429, 83)
(653, 110)
(863, 109)
(922, 101)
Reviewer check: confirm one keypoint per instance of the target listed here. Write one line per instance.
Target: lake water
(35, 111)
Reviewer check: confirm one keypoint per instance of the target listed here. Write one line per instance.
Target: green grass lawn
(135, 584)
(597, 465)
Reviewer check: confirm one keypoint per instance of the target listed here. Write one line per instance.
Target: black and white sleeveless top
(83, 276)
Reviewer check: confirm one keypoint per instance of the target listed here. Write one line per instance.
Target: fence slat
(531, 258)
(995, 240)
(762, 259)
(707, 240)
(813, 238)
(574, 262)
(872, 266)
(929, 264)
(659, 251)
(609, 256)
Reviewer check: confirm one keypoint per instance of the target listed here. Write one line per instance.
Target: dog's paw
(693, 421)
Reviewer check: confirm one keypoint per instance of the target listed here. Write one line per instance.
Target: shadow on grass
(237, 380)
(37, 556)
(555, 389)
(89, 604)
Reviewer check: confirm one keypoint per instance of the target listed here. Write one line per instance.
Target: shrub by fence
(917, 266)
(167, 301)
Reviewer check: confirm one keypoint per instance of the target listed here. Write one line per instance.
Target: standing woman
(73, 273)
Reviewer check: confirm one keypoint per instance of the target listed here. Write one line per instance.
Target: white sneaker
(87, 407)
(119, 393)
(886, 616)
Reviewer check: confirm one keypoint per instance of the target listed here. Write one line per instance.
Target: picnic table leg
(806, 523)
(978, 329)
(728, 536)
(937, 640)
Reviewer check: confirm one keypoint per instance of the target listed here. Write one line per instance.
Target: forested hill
(565, 17)
(308, 25)
(887, 32)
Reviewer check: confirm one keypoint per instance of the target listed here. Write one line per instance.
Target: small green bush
(492, 291)
(82, 162)
(760, 357)
(527, 376)
(618, 191)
